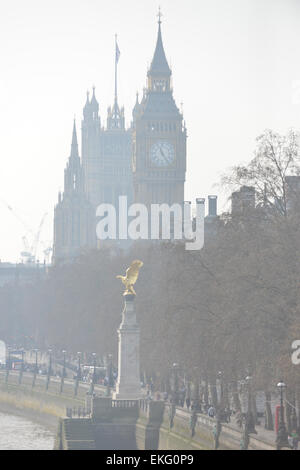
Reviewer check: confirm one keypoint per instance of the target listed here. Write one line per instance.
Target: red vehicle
(16, 365)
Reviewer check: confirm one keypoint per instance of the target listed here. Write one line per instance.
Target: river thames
(18, 433)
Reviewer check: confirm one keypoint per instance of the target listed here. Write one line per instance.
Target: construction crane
(37, 236)
(27, 255)
(30, 251)
(47, 253)
(16, 216)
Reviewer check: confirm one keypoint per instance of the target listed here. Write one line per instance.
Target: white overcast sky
(236, 68)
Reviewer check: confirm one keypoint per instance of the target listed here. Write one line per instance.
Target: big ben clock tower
(159, 137)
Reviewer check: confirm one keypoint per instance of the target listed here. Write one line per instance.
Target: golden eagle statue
(132, 274)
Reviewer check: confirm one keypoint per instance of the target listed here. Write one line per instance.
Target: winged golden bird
(132, 274)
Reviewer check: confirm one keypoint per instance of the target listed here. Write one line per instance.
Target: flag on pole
(117, 52)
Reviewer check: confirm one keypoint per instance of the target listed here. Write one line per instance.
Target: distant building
(74, 229)
(145, 162)
(243, 200)
(15, 274)
(106, 155)
(292, 193)
(159, 137)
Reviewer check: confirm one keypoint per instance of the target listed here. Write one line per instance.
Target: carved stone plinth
(128, 383)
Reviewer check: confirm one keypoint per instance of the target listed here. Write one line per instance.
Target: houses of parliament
(146, 162)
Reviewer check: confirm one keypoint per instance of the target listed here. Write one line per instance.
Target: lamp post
(250, 423)
(63, 372)
(22, 367)
(175, 384)
(7, 366)
(36, 361)
(282, 435)
(94, 374)
(221, 402)
(196, 397)
(110, 381)
(49, 368)
(79, 366)
(35, 367)
(78, 376)
(220, 376)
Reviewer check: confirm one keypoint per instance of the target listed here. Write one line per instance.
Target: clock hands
(163, 155)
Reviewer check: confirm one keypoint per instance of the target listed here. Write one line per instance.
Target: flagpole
(116, 95)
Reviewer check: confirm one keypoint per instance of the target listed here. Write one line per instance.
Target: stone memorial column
(128, 383)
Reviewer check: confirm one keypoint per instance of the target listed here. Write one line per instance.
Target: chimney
(212, 206)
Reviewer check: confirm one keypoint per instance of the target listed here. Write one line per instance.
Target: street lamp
(9, 360)
(49, 368)
(63, 372)
(64, 363)
(78, 376)
(219, 410)
(22, 367)
(250, 424)
(36, 360)
(35, 367)
(220, 376)
(282, 435)
(110, 381)
(196, 394)
(176, 385)
(94, 374)
(50, 361)
(8, 363)
(79, 366)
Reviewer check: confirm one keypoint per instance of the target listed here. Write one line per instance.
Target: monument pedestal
(128, 383)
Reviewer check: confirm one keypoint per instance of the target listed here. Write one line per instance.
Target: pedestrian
(294, 439)
(227, 414)
(211, 412)
(239, 418)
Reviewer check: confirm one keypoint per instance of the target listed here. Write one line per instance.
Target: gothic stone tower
(73, 215)
(159, 138)
(115, 175)
(90, 148)
(106, 155)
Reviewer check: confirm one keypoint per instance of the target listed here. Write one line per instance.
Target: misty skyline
(235, 68)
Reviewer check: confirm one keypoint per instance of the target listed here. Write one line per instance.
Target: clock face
(162, 153)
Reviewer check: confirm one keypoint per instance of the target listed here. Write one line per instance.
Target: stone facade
(145, 162)
(128, 385)
(159, 138)
(73, 214)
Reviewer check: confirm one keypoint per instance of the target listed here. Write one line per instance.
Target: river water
(18, 433)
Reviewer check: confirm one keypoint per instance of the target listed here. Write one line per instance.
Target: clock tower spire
(159, 137)
(159, 74)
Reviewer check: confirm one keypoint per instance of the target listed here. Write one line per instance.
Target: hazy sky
(236, 68)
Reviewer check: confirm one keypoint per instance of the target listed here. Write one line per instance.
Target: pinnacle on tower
(159, 64)
(136, 106)
(87, 109)
(74, 145)
(94, 102)
(87, 98)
